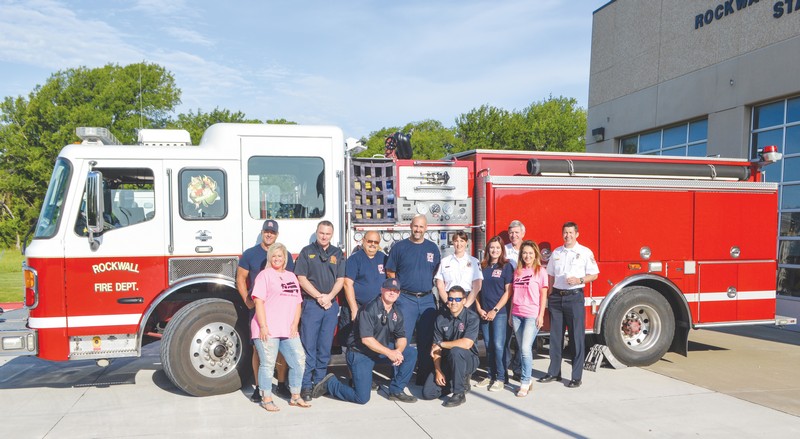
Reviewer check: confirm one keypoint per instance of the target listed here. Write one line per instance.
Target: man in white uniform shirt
(571, 266)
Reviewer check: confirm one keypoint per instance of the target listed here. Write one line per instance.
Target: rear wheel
(639, 326)
(203, 348)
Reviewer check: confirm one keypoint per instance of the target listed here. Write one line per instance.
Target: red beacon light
(770, 154)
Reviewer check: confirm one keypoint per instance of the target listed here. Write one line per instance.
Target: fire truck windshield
(53, 205)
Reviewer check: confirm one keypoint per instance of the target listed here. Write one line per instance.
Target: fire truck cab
(140, 243)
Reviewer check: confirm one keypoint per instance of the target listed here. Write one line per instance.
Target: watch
(495, 310)
(582, 280)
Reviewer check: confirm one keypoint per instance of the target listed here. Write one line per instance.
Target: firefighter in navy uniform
(378, 337)
(455, 356)
(320, 270)
(571, 266)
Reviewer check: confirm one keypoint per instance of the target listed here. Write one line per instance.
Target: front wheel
(203, 347)
(639, 326)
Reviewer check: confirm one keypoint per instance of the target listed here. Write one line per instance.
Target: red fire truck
(140, 243)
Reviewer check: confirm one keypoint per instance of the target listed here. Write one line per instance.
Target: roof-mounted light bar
(95, 135)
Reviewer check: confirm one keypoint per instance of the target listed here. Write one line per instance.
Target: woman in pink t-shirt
(274, 327)
(529, 300)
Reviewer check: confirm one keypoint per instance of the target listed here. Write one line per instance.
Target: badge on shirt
(333, 259)
(394, 317)
(461, 326)
(380, 268)
(497, 273)
(312, 256)
(430, 257)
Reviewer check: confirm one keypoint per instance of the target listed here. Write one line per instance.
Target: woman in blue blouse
(498, 275)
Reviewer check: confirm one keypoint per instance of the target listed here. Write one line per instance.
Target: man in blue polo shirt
(364, 273)
(320, 271)
(252, 262)
(414, 261)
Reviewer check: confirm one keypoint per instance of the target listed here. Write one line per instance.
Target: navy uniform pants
(317, 326)
(457, 366)
(567, 311)
(419, 313)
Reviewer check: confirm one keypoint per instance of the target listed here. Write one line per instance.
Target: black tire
(203, 350)
(638, 326)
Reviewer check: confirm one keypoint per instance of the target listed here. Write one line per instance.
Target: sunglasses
(455, 299)
(369, 241)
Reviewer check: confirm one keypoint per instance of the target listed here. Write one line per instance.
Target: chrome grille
(183, 268)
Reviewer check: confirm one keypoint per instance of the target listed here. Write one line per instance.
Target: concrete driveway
(132, 398)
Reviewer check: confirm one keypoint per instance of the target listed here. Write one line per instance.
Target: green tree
(33, 129)
(197, 123)
(430, 139)
(552, 124)
(485, 127)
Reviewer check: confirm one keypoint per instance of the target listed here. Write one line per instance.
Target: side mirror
(94, 206)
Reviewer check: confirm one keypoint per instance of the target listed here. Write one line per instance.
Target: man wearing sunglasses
(378, 337)
(363, 275)
(455, 356)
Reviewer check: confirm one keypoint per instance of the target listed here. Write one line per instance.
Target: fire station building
(704, 78)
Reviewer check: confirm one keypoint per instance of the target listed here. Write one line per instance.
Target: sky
(358, 64)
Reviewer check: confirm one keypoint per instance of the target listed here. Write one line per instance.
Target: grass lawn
(11, 275)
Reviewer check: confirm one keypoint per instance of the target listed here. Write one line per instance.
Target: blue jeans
(419, 313)
(526, 330)
(292, 351)
(497, 338)
(361, 367)
(317, 326)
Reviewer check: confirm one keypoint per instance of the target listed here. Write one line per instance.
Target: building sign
(722, 10)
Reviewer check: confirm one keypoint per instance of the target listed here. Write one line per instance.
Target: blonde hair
(274, 248)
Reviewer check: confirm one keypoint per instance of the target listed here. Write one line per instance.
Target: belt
(561, 292)
(414, 293)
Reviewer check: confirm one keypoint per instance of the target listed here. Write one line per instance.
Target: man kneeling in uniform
(454, 336)
(377, 336)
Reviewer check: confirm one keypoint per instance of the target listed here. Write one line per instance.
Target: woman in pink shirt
(529, 299)
(274, 327)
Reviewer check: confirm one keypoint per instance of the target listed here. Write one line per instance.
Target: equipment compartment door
(718, 292)
(756, 291)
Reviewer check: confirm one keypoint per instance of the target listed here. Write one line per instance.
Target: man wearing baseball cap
(252, 261)
(378, 336)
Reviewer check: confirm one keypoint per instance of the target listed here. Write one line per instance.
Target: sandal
(523, 390)
(269, 406)
(299, 402)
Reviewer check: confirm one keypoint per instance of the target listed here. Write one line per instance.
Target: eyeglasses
(455, 299)
(369, 241)
(384, 318)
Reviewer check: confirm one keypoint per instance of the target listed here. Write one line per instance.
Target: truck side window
(286, 187)
(203, 194)
(128, 198)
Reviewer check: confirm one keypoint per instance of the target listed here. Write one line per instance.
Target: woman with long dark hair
(492, 307)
